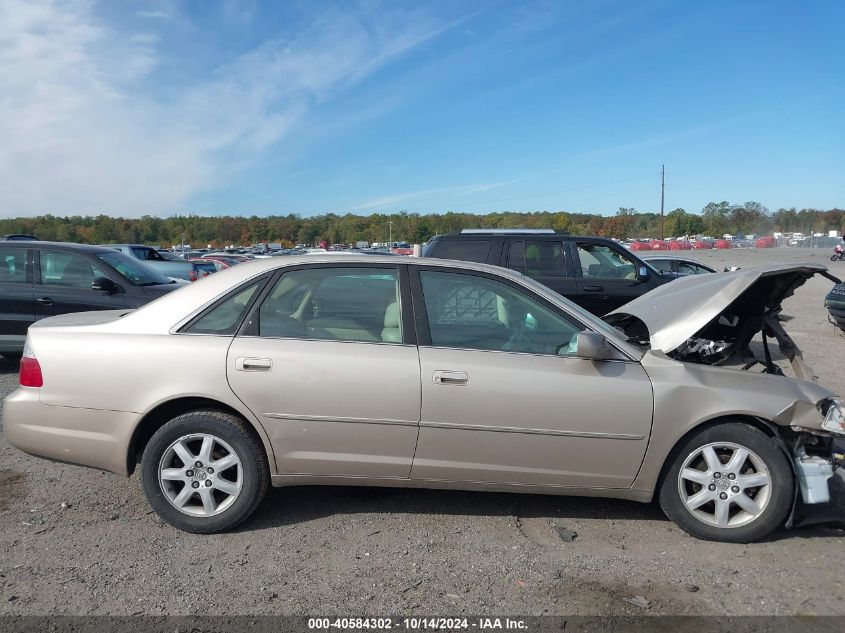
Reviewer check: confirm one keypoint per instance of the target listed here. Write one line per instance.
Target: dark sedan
(43, 279)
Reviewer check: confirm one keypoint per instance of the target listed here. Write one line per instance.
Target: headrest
(391, 315)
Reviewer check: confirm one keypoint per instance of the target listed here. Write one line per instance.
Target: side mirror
(642, 274)
(593, 346)
(105, 284)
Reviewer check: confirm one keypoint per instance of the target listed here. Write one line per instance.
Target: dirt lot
(77, 541)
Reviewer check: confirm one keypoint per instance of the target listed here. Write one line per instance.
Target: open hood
(713, 318)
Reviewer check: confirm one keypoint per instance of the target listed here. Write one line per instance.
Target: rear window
(464, 250)
(206, 266)
(224, 318)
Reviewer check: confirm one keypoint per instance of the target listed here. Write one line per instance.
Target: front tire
(205, 472)
(729, 483)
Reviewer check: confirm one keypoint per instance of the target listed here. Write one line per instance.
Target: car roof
(166, 314)
(168, 309)
(532, 234)
(70, 246)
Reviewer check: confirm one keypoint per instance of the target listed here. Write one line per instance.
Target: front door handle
(253, 364)
(593, 288)
(450, 377)
(47, 301)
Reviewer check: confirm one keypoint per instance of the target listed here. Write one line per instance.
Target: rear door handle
(47, 301)
(450, 377)
(593, 288)
(253, 364)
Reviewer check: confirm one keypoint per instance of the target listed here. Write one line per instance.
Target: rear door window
(538, 259)
(662, 265)
(463, 250)
(335, 304)
(13, 266)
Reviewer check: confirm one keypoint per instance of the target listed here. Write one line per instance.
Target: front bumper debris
(813, 472)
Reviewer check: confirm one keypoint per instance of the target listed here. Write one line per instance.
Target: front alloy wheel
(724, 484)
(730, 482)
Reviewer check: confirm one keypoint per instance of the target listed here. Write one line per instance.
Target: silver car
(348, 370)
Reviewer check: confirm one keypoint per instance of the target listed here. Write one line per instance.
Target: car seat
(392, 331)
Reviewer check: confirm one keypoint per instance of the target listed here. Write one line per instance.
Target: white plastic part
(813, 475)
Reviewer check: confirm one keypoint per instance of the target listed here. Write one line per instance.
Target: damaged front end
(734, 320)
(727, 319)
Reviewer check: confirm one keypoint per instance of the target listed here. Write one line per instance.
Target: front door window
(471, 312)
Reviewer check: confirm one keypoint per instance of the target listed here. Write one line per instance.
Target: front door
(65, 285)
(327, 363)
(505, 400)
(609, 277)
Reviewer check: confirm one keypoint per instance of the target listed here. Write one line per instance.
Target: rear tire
(205, 471)
(730, 483)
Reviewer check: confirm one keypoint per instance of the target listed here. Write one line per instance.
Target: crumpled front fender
(687, 396)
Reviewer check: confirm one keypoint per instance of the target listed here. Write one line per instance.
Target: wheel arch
(761, 424)
(159, 415)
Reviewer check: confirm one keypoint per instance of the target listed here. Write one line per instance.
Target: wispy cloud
(390, 201)
(153, 14)
(80, 130)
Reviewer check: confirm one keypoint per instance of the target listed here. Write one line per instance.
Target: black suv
(594, 272)
(42, 279)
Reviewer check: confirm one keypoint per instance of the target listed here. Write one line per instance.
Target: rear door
(328, 362)
(63, 284)
(547, 261)
(17, 299)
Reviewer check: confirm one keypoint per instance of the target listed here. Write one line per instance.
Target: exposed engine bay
(730, 319)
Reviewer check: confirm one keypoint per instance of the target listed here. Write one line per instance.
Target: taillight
(30, 369)
(192, 275)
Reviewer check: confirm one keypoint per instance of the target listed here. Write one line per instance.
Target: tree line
(715, 219)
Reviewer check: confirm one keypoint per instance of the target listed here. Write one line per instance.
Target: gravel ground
(78, 541)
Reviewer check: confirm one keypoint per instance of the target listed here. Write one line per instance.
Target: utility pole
(662, 190)
(390, 234)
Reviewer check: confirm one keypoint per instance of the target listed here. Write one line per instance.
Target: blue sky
(171, 106)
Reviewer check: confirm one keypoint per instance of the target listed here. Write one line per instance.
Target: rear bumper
(88, 437)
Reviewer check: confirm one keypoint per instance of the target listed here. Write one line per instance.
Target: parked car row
(700, 244)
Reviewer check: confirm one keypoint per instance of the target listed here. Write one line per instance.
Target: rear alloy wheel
(730, 483)
(204, 471)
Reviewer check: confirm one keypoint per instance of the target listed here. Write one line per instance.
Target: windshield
(134, 271)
